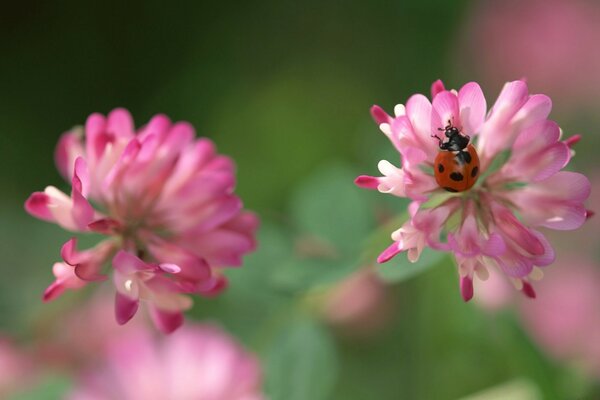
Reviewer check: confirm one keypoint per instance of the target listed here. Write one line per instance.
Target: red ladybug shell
(456, 172)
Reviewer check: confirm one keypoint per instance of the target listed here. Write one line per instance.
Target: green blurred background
(283, 87)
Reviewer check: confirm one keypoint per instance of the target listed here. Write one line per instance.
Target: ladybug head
(451, 131)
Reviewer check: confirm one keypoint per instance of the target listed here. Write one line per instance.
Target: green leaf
(330, 207)
(296, 274)
(50, 388)
(302, 363)
(400, 269)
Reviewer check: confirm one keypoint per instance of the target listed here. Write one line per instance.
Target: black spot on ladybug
(440, 168)
(456, 176)
(449, 189)
(474, 172)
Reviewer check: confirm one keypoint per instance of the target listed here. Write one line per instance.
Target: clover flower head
(514, 174)
(165, 201)
(196, 362)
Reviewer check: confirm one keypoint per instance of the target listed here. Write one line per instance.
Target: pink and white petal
(125, 307)
(37, 206)
(393, 179)
(445, 111)
(556, 202)
(54, 205)
(472, 107)
(65, 279)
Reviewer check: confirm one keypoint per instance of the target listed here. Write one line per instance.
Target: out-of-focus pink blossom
(195, 363)
(82, 335)
(520, 187)
(360, 304)
(552, 43)
(165, 201)
(565, 321)
(16, 368)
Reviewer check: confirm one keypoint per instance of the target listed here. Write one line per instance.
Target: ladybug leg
(440, 141)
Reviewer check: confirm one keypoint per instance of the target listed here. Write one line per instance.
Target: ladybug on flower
(517, 163)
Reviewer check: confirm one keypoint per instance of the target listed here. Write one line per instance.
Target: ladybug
(456, 166)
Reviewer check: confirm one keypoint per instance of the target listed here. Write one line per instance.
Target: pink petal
(512, 97)
(389, 253)
(418, 112)
(466, 288)
(170, 268)
(65, 279)
(159, 125)
(53, 291)
(445, 110)
(514, 230)
(69, 147)
(90, 272)
(380, 116)
(367, 182)
(494, 246)
(436, 88)
(546, 258)
(106, 226)
(166, 321)
(127, 263)
(536, 109)
(218, 286)
(68, 252)
(473, 108)
(95, 138)
(37, 205)
(125, 308)
(82, 211)
(572, 140)
(556, 202)
(528, 290)
(120, 123)
(537, 153)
